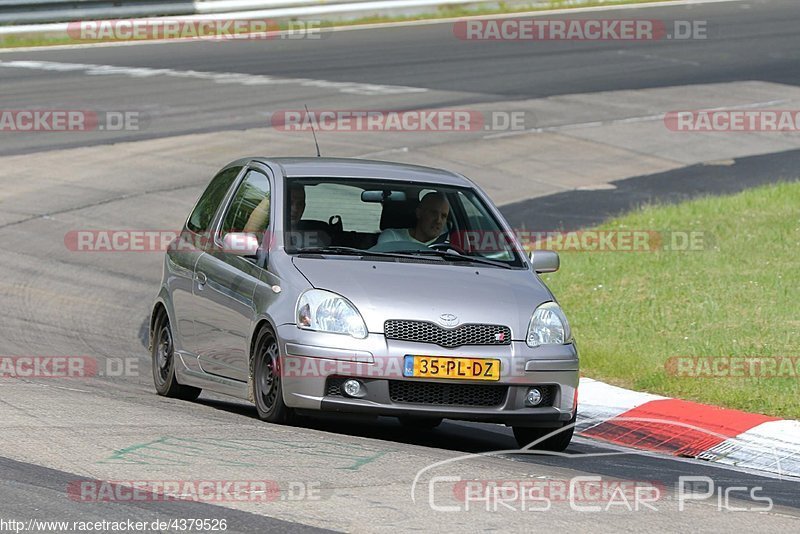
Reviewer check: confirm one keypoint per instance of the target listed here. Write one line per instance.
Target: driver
(432, 214)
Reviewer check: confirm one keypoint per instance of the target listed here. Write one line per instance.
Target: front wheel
(267, 381)
(163, 363)
(556, 443)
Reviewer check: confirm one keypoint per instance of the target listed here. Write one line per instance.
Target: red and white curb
(688, 429)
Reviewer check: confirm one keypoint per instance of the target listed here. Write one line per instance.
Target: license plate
(452, 368)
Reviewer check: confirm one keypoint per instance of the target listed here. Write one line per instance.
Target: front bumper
(312, 359)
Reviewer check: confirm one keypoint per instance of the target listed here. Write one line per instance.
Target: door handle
(201, 279)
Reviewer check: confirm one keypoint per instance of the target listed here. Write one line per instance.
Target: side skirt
(217, 384)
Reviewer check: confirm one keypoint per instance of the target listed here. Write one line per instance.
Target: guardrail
(39, 11)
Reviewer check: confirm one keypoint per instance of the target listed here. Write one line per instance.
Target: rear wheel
(267, 381)
(163, 363)
(420, 423)
(556, 443)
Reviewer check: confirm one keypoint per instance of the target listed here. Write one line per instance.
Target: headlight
(328, 312)
(548, 326)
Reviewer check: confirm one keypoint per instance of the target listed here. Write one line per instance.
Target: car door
(225, 284)
(183, 254)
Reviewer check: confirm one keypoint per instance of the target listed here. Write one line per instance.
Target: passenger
(297, 203)
(304, 233)
(258, 221)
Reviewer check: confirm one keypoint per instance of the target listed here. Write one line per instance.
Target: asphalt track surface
(752, 40)
(57, 303)
(576, 209)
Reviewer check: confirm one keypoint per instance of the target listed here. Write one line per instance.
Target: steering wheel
(448, 246)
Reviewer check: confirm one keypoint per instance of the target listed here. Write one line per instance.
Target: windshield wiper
(449, 256)
(329, 250)
(350, 251)
(454, 256)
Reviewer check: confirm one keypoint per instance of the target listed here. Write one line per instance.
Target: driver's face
(431, 218)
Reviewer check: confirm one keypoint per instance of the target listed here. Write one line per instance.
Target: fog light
(534, 397)
(353, 388)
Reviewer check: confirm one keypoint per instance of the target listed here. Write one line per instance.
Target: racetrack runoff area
(152, 183)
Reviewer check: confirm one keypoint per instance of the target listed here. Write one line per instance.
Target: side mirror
(545, 261)
(240, 244)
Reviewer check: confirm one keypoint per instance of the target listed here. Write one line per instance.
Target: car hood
(383, 290)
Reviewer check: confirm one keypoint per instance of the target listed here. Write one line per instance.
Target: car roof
(362, 168)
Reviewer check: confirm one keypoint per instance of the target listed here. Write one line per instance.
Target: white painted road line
(355, 88)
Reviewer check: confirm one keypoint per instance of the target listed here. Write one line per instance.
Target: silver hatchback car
(353, 286)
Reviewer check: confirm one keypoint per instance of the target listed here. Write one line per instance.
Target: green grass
(52, 39)
(631, 311)
(454, 11)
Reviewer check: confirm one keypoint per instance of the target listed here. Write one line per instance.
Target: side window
(482, 234)
(479, 218)
(475, 216)
(206, 208)
(250, 207)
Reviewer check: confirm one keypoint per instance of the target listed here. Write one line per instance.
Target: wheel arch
(260, 324)
(159, 308)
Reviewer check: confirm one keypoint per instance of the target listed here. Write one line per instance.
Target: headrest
(309, 225)
(399, 214)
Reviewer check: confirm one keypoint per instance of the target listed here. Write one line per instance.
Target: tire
(268, 386)
(420, 423)
(556, 443)
(163, 363)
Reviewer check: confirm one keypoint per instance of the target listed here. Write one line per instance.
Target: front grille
(334, 386)
(446, 394)
(465, 334)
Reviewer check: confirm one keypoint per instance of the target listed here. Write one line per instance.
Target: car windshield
(345, 216)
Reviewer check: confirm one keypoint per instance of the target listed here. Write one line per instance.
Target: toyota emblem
(448, 319)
